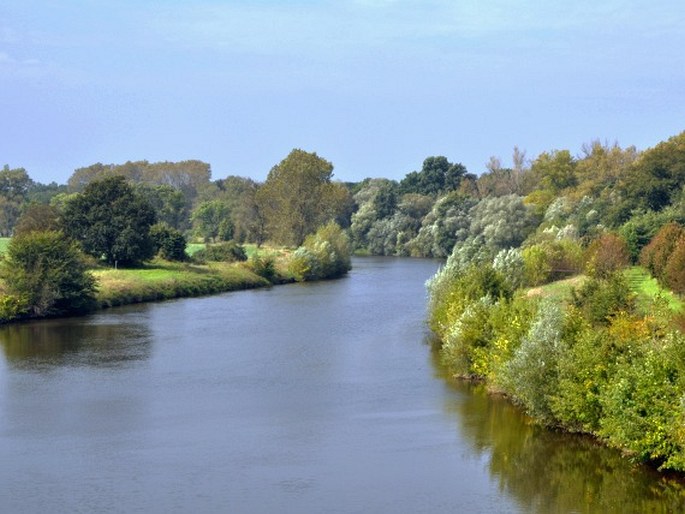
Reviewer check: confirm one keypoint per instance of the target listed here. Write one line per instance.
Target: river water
(310, 398)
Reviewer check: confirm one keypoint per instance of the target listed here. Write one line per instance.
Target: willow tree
(298, 197)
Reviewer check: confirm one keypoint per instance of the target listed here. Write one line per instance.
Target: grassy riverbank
(162, 280)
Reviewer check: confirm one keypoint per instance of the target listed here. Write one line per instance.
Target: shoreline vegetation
(602, 355)
(323, 255)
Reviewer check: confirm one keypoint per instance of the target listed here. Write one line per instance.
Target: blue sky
(374, 86)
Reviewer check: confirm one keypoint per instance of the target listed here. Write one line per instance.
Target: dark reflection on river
(303, 398)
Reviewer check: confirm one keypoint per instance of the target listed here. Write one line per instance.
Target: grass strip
(162, 281)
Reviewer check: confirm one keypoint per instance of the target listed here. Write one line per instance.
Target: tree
(658, 176)
(212, 220)
(298, 197)
(37, 218)
(169, 242)
(47, 274)
(14, 188)
(554, 171)
(437, 175)
(111, 221)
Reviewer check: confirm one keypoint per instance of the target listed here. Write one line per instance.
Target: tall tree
(298, 197)
(111, 221)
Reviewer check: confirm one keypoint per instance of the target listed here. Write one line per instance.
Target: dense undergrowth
(594, 354)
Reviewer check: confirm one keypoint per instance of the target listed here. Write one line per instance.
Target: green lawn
(648, 289)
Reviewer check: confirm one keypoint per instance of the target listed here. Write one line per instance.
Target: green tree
(169, 242)
(437, 175)
(14, 188)
(554, 171)
(47, 274)
(298, 197)
(212, 220)
(111, 221)
(37, 218)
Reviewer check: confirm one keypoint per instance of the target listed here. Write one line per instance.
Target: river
(306, 398)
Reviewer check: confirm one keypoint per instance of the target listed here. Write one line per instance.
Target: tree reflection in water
(547, 471)
(75, 342)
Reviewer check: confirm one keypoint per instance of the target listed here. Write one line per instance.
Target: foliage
(229, 251)
(298, 197)
(14, 188)
(264, 266)
(325, 254)
(532, 373)
(437, 175)
(169, 242)
(212, 221)
(599, 299)
(655, 255)
(37, 218)
(45, 275)
(111, 221)
(606, 255)
(658, 175)
(504, 222)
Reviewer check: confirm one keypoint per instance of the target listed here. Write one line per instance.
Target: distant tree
(46, 274)
(437, 175)
(606, 255)
(554, 171)
(655, 255)
(169, 204)
(38, 218)
(212, 221)
(658, 176)
(674, 271)
(385, 201)
(298, 197)
(14, 188)
(111, 221)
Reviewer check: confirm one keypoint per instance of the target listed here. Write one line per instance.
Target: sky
(374, 86)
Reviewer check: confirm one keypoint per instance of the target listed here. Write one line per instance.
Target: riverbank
(602, 356)
(163, 280)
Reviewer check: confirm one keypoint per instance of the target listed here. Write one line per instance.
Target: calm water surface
(305, 398)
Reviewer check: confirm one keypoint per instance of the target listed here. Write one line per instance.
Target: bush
(229, 251)
(264, 266)
(325, 254)
(655, 255)
(601, 298)
(607, 254)
(46, 274)
(169, 242)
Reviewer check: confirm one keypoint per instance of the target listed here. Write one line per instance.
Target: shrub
(531, 376)
(325, 254)
(264, 266)
(169, 242)
(46, 274)
(655, 255)
(606, 255)
(601, 298)
(230, 251)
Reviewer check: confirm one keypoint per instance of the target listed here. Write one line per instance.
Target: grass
(647, 290)
(163, 280)
(559, 291)
(4, 241)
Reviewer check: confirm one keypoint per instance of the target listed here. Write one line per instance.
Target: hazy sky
(374, 86)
